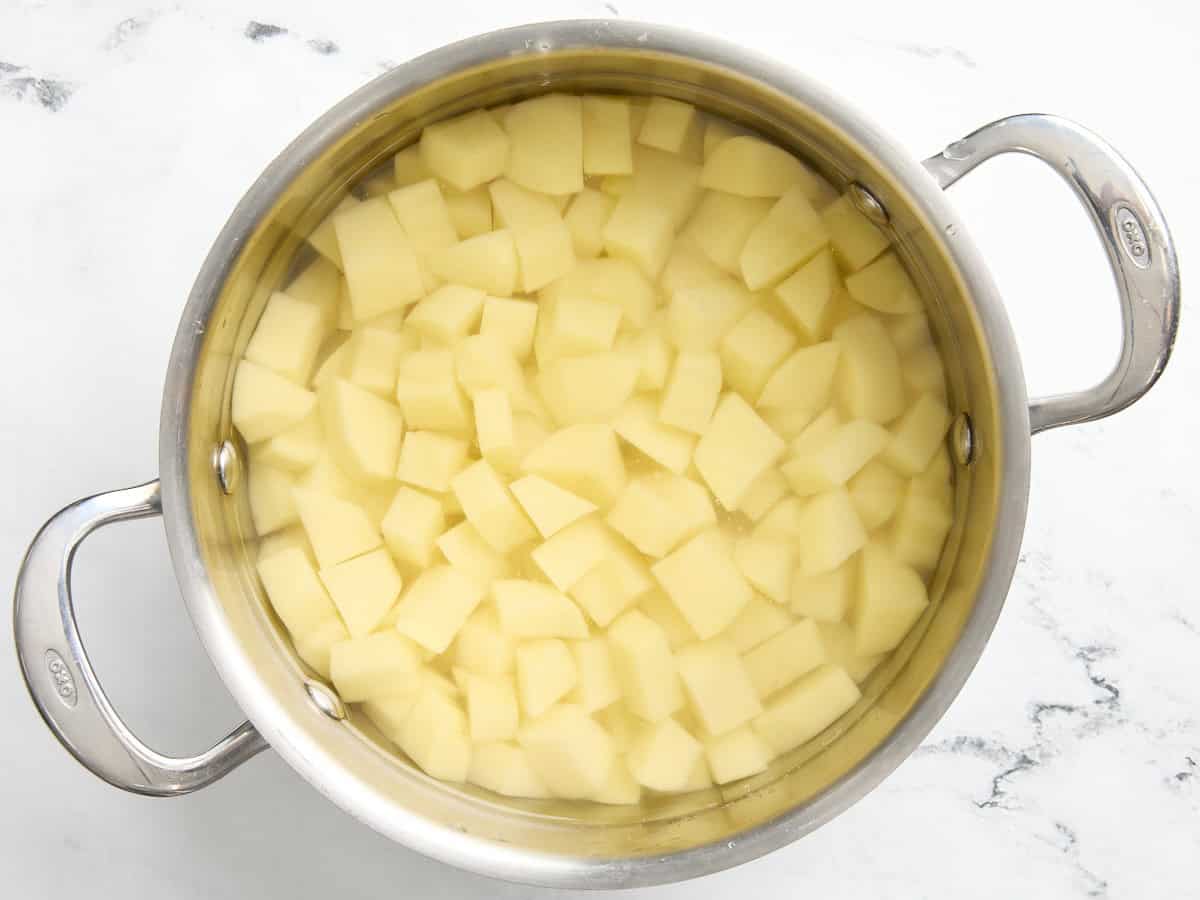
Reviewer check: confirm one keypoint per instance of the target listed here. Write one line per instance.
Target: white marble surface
(1070, 764)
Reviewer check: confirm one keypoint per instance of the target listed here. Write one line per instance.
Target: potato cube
(436, 605)
(287, 337)
(657, 607)
(786, 422)
(721, 224)
(663, 755)
(364, 431)
(789, 235)
(468, 552)
(698, 317)
(295, 591)
(548, 506)
(868, 380)
(804, 381)
(408, 167)
(569, 750)
(891, 597)
(816, 433)
(482, 646)
(546, 152)
(917, 435)
(668, 124)
(653, 355)
(607, 142)
(430, 460)
(606, 590)
(337, 529)
(371, 360)
(585, 219)
(919, 530)
(839, 641)
(875, 492)
(704, 582)
(376, 665)
(718, 686)
(588, 389)
(639, 424)
(545, 252)
(752, 351)
(784, 657)
(489, 506)
(584, 459)
(448, 314)
(854, 238)
(909, 333)
(470, 211)
(808, 294)
(656, 513)
(884, 285)
(465, 151)
(265, 403)
(667, 180)
(293, 450)
(434, 735)
(717, 132)
(807, 708)
(596, 685)
(324, 239)
(766, 490)
(768, 564)
(382, 271)
(429, 396)
(825, 597)
(314, 647)
(737, 754)
(530, 609)
(412, 526)
(640, 229)
(363, 589)
(686, 267)
(505, 769)
(272, 505)
(751, 167)
(574, 325)
(516, 207)
(571, 552)
(691, 394)
(486, 261)
(831, 532)
(422, 213)
(835, 458)
(644, 666)
(492, 712)
(621, 788)
(545, 673)
(757, 621)
(737, 448)
(512, 322)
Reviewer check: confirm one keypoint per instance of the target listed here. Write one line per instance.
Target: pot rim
(287, 736)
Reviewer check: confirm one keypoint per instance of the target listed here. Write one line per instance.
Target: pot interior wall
(275, 247)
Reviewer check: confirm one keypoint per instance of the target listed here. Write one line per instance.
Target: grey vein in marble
(50, 93)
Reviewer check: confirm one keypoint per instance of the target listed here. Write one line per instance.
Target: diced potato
(831, 532)
(482, 646)
(804, 381)
(314, 647)
(751, 167)
(884, 285)
(868, 380)
(468, 552)
(839, 641)
(287, 337)
(717, 132)
(489, 506)
(698, 317)
(408, 167)
(657, 606)
(436, 605)
(572, 754)
(917, 435)
(816, 433)
(272, 505)
(656, 513)
(784, 657)
(737, 448)
(494, 429)
(585, 218)
(546, 673)
(429, 394)
(789, 235)
(486, 261)
(639, 424)
(377, 665)
(649, 348)
(753, 350)
(875, 492)
(584, 459)
(548, 506)
(492, 712)
(663, 755)
(919, 529)
(430, 460)
(337, 529)
(465, 151)
(434, 735)
(575, 325)
(323, 238)
(571, 552)
(621, 788)
(855, 239)
(702, 579)
(607, 142)
(544, 252)
(699, 778)
(363, 589)
(757, 621)
(448, 314)
(588, 389)
(470, 211)
(788, 423)
(667, 180)
(382, 271)
(686, 267)
(722, 223)
(516, 207)
(596, 685)
(371, 360)
(505, 769)
(767, 564)
(909, 332)
(606, 590)
(296, 449)
(640, 230)
(546, 152)
(530, 609)
(617, 282)
(766, 490)
(837, 457)
(512, 322)
(807, 708)
(668, 124)
(923, 373)
(808, 294)
(295, 591)
(483, 361)
(738, 754)
(825, 597)
(891, 597)
(644, 666)
(717, 685)
(364, 431)
(422, 213)
(265, 403)
(691, 394)
(412, 526)
(616, 185)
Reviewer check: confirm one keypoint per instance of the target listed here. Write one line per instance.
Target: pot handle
(61, 680)
(1135, 237)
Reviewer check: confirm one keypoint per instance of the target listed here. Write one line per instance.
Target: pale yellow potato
(434, 735)
(687, 266)
(876, 492)
(868, 382)
(323, 238)
(605, 591)
(466, 151)
(758, 620)
(638, 424)
(486, 261)
(531, 609)
(413, 523)
(295, 591)
(585, 219)
(573, 325)
(337, 529)
(436, 605)
(430, 460)
(314, 647)
(467, 551)
(588, 389)
(548, 506)
(808, 294)
(490, 507)
(644, 666)
(470, 211)
(735, 449)
(722, 223)
(544, 253)
(790, 234)
(657, 606)
(376, 665)
(751, 167)
(512, 322)
(483, 361)
(737, 754)
(825, 597)
(764, 492)
(482, 646)
(917, 435)
(752, 350)
(718, 685)
(573, 551)
(363, 589)
(704, 582)
(663, 756)
(516, 207)
(891, 597)
(699, 316)
(614, 281)
(806, 708)
(658, 512)
(272, 505)
(649, 348)
(621, 789)
(784, 657)
(546, 673)
(371, 359)
(641, 230)
(381, 266)
(448, 314)
(296, 449)
(768, 564)
(546, 144)
(584, 459)
(422, 213)
(571, 753)
(607, 141)
(287, 337)
(265, 403)
(855, 239)
(803, 381)
(363, 431)
(505, 769)
(835, 458)
(885, 285)
(919, 529)
(669, 124)
(596, 683)
(492, 712)
(838, 638)
(830, 532)
(408, 166)
(692, 391)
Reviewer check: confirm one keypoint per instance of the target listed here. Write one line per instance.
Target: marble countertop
(1070, 764)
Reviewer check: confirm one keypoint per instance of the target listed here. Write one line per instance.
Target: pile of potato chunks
(600, 450)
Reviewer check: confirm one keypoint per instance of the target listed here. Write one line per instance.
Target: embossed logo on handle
(64, 681)
(1132, 236)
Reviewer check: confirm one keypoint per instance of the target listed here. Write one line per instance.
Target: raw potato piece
(573, 551)
(585, 219)
(481, 646)
(891, 597)
(737, 448)
(296, 449)
(640, 230)
(408, 167)
(516, 207)
(783, 658)
(653, 355)
(436, 605)
(804, 380)
(470, 211)
(545, 674)
(314, 647)
(668, 124)
(752, 351)
(757, 621)
(422, 213)
(833, 460)
(638, 423)
(448, 314)
(544, 253)
(596, 685)
(919, 529)
(830, 532)
(512, 322)
(295, 591)
(287, 337)
(876, 491)
(482, 361)
(364, 431)
(738, 754)
(429, 395)
(717, 685)
(435, 735)
(854, 238)
(698, 317)
(573, 325)
(917, 435)
(467, 551)
(588, 389)
(768, 565)
(808, 294)
(824, 597)
(466, 151)
(584, 459)
(505, 769)
(884, 285)
(382, 271)
(616, 282)
(692, 390)
(868, 381)
(494, 429)
(491, 708)
(663, 756)
(265, 403)
(412, 526)
(666, 615)
(621, 788)
(703, 581)
(607, 143)
(323, 238)
(548, 506)
(377, 665)
(430, 460)
(721, 224)
(645, 669)
(572, 754)
(530, 609)
(371, 360)
(790, 234)
(490, 507)
(686, 267)
(337, 529)
(272, 505)
(363, 589)
(656, 513)
(546, 151)
(486, 261)
(750, 167)
(807, 708)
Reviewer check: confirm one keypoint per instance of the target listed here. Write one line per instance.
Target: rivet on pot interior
(962, 440)
(227, 466)
(867, 203)
(325, 700)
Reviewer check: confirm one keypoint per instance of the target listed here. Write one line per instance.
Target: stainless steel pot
(201, 500)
